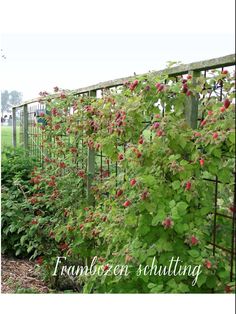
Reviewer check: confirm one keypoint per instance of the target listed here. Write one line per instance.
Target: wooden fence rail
(192, 68)
(228, 60)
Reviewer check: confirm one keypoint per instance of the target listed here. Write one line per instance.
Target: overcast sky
(73, 57)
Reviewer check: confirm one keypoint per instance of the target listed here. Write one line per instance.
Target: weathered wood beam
(14, 127)
(215, 63)
(26, 128)
(191, 105)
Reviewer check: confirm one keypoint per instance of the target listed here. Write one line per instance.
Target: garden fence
(94, 163)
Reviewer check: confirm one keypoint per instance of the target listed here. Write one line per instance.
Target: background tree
(9, 99)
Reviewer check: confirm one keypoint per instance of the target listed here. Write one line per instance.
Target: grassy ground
(6, 136)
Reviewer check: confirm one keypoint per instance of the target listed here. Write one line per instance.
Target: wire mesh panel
(91, 160)
(36, 123)
(223, 207)
(221, 222)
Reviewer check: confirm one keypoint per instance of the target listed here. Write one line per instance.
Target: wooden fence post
(191, 106)
(90, 166)
(25, 128)
(14, 127)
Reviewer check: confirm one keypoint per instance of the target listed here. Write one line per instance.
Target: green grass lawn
(6, 136)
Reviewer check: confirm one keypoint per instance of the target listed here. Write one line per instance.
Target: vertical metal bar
(116, 167)
(108, 166)
(35, 144)
(82, 153)
(25, 127)
(151, 135)
(14, 127)
(124, 168)
(101, 164)
(90, 174)
(191, 105)
(221, 87)
(90, 166)
(215, 214)
(232, 258)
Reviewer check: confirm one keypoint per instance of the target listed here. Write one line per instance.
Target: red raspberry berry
(127, 203)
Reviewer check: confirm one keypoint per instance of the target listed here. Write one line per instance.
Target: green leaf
(158, 218)
(143, 229)
(151, 252)
(201, 280)
(22, 239)
(172, 283)
(88, 287)
(172, 203)
(180, 228)
(182, 141)
(216, 152)
(183, 163)
(12, 228)
(194, 253)
(163, 245)
(149, 261)
(176, 185)
(224, 174)
(30, 248)
(142, 256)
(18, 251)
(58, 237)
(182, 205)
(149, 180)
(211, 282)
(175, 214)
(9, 214)
(183, 287)
(130, 220)
(174, 157)
(232, 137)
(223, 274)
(156, 289)
(181, 208)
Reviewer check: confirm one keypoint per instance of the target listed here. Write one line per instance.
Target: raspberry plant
(152, 194)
